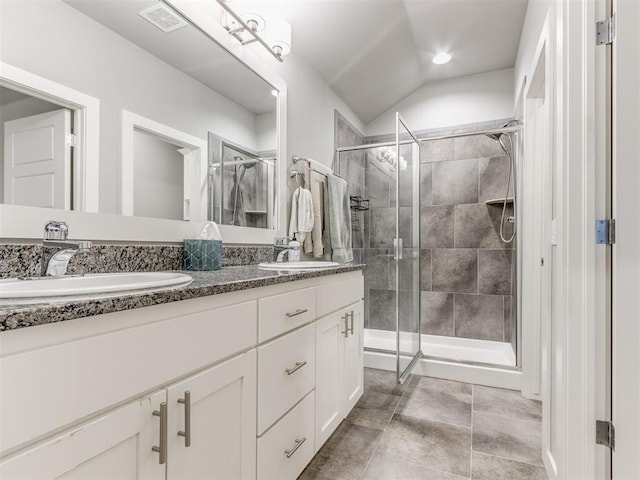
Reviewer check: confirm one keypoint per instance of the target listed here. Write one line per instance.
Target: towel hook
(297, 175)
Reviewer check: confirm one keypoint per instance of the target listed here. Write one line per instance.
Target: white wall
(120, 74)
(457, 101)
(537, 11)
(158, 177)
(266, 134)
(311, 105)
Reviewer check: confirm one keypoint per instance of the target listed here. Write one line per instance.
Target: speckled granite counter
(229, 279)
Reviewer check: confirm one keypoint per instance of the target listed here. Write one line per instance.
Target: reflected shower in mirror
(241, 185)
(126, 77)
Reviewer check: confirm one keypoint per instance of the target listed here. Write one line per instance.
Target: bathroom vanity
(248, 383)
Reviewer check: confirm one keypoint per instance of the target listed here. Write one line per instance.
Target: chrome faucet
(292, 250)
(58, 250)
(279, 246)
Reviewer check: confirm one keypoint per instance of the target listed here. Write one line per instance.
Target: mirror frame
(20, 222)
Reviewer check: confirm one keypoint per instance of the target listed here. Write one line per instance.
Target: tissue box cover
(202, 255)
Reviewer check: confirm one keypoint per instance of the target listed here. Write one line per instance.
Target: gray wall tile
(425, 269)
(426, 191)
(455, 182)
(437, 313)
(477, 146)
(376, 273)
(436, 150)
(494, 272)
(436, 226)
(477, 226)
(382, 309)
(479, 316)
(454, 270)
(493, 174)
(382, 227)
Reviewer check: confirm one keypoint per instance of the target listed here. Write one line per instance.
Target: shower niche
(241, 185)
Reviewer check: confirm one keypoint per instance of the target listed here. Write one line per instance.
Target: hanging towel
(339, 216)
(313, 243)
(301, 221)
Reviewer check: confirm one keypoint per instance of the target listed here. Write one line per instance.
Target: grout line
(510, 459)
(510, 418)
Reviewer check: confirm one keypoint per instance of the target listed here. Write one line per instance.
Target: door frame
(86, 126)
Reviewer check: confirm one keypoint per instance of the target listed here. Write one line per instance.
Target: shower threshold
(466, 350)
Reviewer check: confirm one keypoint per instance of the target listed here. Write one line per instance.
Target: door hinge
(606, 231)
(605, 434)
(71, 139)
(606, 31)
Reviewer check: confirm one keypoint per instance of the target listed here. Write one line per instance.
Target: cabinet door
(354, 357)
(117, 445)
(222, 427)
(330, 334)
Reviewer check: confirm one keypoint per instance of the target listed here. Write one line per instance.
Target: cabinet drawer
(286, 373)
(336, 295)
(281, 313)
(278, 457)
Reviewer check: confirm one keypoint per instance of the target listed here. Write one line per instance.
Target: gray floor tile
(310, 474)
(507, 403)
(431, 444)
(347, 452)
(384, 468)
(506, 437)
(374, 410)
(382, 381)
(443, 385)
(488, 467)
(436, 405)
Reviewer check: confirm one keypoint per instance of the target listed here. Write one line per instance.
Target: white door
(212, 428)
(354, 357)
(330, 332)
(117, 445)
(626, 250)
(37, 160)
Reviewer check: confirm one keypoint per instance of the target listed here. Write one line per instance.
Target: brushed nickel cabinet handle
(186, 433)
(300, 311)
(292, 450)
(351, 327)
(298, 366)
(162, 449)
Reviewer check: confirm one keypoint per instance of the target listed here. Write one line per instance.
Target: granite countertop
(229, 279)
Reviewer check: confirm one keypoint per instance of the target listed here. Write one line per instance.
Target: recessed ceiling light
(441, 58)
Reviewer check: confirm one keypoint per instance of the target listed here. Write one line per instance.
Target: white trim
(196, 177)
(86, 127)
(460, 372)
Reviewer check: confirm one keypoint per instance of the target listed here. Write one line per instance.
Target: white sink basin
(97, 284)
(297, 265)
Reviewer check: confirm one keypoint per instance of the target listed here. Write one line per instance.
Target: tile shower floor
(433, 429)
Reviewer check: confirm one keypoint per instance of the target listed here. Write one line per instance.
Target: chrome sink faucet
(58, 250)
(281, 248)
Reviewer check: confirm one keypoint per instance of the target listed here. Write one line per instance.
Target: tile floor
(433, 429)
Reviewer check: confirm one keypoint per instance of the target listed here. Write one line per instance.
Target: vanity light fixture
(274, 35)
(441, 58)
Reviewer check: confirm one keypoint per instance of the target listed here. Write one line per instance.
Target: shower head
(494, 136)
(247, 164)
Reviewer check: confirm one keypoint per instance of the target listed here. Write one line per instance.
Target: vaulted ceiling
(374, 53)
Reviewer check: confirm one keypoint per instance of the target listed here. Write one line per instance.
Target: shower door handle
(397, 249)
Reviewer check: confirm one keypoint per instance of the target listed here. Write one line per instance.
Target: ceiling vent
(163, 17)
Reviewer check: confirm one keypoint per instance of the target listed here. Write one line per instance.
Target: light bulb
(441, 58)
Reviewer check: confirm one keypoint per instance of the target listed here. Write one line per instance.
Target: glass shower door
(406, 250)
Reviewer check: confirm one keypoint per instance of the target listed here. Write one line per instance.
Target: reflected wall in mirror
(242, 185)
(138, 58)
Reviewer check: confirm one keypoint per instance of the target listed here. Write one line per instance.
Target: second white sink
(297, 265)
(18, 289)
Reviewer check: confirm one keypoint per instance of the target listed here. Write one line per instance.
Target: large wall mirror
(127, 108)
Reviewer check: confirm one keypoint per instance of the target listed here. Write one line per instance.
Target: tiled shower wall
(466, 270)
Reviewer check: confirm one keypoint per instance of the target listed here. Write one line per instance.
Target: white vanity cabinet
(339, 357)
(116, 446)
(230, 386)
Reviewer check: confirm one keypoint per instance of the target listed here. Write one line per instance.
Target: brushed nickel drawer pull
(186, 433)
(346, 324)
(298, 366)
(162, 449)
(291, 451)
(300, 311)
